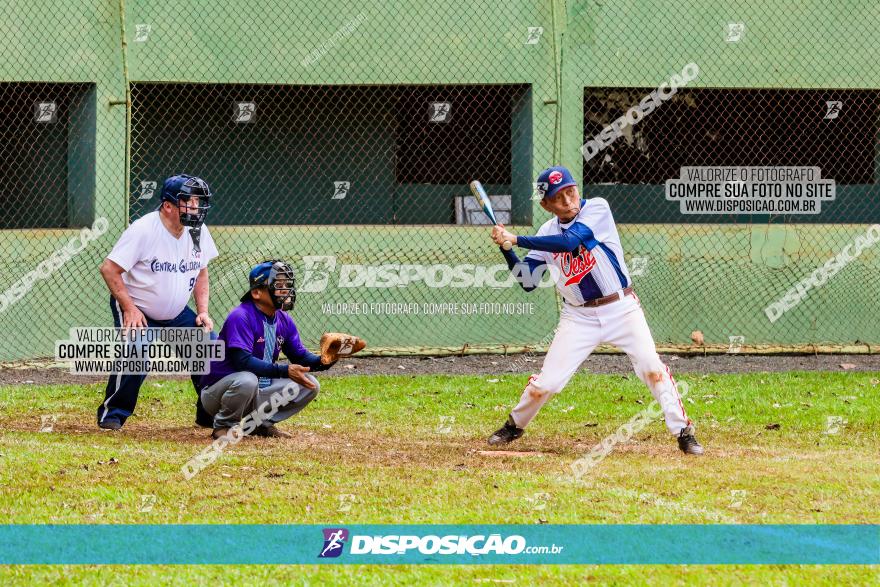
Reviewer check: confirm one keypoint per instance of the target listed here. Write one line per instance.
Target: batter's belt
(596, 302)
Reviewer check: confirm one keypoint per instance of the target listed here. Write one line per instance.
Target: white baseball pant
(581, 330)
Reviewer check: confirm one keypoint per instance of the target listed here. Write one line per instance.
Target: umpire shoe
(110, 424)
(506, 434)
(270, 431)
(688, 443)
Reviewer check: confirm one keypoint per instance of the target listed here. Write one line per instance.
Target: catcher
(254, 333)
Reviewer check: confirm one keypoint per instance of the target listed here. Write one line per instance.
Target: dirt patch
(508, 453)
(352, 447)
(44, 373)
(614, 364)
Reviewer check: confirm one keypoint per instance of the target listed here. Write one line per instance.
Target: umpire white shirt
(160, 270)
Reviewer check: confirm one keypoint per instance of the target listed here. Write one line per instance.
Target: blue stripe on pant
(121, 393)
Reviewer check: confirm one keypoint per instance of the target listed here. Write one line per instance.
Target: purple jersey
(247, 328)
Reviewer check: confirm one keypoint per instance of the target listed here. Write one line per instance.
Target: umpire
(154, 268)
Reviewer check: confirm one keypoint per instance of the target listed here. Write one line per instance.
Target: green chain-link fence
(341, 136)
(778, 85)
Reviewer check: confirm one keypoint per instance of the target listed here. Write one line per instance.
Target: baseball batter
(581, 249)
(154, 268)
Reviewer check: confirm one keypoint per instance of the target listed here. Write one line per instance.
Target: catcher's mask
(277, 277)
(183, 187)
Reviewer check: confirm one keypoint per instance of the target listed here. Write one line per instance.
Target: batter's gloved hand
(338, 344)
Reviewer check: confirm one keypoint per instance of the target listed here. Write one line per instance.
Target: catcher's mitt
(338, 344)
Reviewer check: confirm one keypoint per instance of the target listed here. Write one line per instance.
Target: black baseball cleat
(110, 424)
(507, 434)
(688, 443)
(270, 431)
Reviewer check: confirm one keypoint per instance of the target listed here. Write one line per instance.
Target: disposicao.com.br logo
(393, 544)
(334, 540)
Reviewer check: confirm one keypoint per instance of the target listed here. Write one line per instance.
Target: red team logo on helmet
(555, 177)
(576, 268)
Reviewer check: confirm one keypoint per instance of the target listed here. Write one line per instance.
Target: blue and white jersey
(595, 268)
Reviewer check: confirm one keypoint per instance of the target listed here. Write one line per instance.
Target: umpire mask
(180, 190)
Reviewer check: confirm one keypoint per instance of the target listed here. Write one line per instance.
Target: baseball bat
(486, 204)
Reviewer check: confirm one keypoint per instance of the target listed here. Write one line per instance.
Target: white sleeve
(597, 217)
(209, 250)
(128, 249)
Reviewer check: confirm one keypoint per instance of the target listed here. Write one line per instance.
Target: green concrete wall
(708, 277)
(713, 278)
(44, 41)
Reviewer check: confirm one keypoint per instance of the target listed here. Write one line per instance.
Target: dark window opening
(278, 154)
(47, 145)
(715, 127)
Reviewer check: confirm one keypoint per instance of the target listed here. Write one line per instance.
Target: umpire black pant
(121, 393)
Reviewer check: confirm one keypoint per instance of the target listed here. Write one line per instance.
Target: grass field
(781, 448)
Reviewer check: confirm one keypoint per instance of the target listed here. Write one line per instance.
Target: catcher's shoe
(270, 431)
(507, 434)
(203, 418)
(688, 443)
(219, 433)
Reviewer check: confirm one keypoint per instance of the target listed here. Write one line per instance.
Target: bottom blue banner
(440, 544)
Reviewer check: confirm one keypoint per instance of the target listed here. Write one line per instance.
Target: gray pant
(238, 394)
